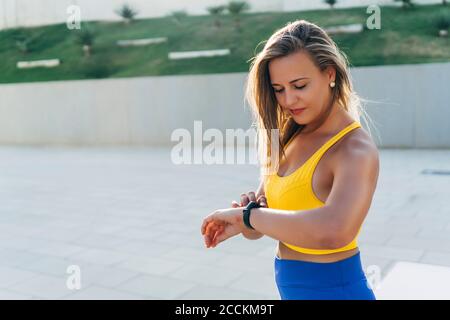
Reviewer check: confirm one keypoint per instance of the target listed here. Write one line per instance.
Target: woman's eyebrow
(276, 84)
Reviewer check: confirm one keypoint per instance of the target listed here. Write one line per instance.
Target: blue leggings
(340, 280)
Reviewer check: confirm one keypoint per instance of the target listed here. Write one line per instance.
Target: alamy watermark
(374, 20)
(373, 275)
(73, 21)
(212, 147)
(73, 281)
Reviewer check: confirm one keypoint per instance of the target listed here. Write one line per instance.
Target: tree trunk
(87, 50)
(237, 23)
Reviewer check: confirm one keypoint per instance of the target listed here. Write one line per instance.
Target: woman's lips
(297, 111)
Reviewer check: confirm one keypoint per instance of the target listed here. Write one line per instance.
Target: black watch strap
(246, 213)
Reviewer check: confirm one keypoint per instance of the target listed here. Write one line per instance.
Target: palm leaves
(127, 13)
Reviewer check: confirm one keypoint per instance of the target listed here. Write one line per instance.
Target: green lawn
(406, 36)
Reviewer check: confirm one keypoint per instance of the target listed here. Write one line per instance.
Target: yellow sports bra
(294, 191)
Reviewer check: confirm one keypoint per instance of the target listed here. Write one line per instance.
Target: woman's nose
(291, 99)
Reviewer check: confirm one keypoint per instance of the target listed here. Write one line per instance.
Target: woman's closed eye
(296, 87)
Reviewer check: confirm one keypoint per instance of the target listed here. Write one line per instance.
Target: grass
(406, 36)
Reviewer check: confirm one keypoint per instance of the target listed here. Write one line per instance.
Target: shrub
(127, 13)
(406, 3)
(85, 37)
(236, 8)
(216, 11)
(331, 3)
(96, 68)
(442, 22)
(23, 40)
(178, 16)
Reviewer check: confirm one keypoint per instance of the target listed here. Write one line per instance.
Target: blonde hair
(295, 36)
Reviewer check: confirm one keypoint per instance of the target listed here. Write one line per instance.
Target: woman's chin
(300, 120)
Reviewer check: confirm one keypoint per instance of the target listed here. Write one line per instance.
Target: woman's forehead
(290, 67)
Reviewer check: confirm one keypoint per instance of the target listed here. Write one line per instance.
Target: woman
(315, 200)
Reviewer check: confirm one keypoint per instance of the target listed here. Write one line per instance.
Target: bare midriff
(283, 252)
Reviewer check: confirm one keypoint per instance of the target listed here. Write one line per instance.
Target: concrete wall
(119, 111)
(411, 103)
(412, 107)
(40, 12)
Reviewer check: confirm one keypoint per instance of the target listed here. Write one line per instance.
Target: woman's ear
(331, 73)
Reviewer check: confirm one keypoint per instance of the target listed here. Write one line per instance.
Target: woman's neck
(329, 124)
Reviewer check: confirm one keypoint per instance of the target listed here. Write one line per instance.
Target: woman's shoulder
(358, 145)
(360, 138)
(357, 162)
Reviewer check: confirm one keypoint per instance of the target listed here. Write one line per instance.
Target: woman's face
(299, 84)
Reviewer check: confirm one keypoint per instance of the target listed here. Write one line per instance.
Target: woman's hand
(215, 231)
(245, 199)
(221, 225)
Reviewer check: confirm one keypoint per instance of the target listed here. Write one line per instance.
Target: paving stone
(9, 295)
(157, 287)
(99, 293)
(257, 283)
(11, 276)
(203, 292)
(154, 266)
(206, 274)
(43, 287)
(392, 252)
(436, 257)
(100, 256)
(124, 233)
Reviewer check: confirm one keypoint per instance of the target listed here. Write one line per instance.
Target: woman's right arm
(245, 199)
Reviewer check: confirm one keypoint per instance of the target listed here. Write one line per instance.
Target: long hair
(268, 117)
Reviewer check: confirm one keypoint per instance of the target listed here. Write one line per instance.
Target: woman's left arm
(331, 226)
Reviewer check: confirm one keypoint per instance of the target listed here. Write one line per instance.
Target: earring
(332, 84)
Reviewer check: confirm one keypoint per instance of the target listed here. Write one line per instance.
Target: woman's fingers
(214, 239)
(262, 201)
(217, 233)
(207, 240)
(247, 197)
(211, 227)
(203, 227)
(213, 231)
(251, 196)
(215, 225)
(225, 232)
(207, 220)
(234, 204)
(244, 199)
(207, 235)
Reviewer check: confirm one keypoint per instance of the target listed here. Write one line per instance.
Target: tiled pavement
(130, 219)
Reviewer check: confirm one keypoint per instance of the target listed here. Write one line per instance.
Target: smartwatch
(246, 213)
